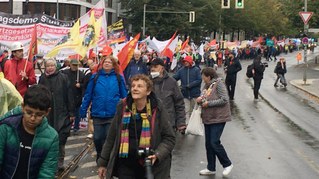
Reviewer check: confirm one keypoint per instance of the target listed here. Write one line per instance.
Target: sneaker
(227, 170)
(90, 136)
(275, 85)
(207, 172)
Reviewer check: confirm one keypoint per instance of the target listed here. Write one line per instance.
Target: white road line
(75, 137)
(88, 164)
(74, 146)
(92, 177)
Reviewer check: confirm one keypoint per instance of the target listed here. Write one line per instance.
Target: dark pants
(99, 136)
(214, 147)
(282, 79)
(231, 84)
(257, 83)
(77, 119)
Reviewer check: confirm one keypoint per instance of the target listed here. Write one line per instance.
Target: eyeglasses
(29, 114)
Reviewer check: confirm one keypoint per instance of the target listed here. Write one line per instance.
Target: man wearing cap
(39, 64)
(166, 89)
(75, 77)
(191, 80)
(18, 70)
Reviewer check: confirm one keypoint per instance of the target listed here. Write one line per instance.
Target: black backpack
(249, 72)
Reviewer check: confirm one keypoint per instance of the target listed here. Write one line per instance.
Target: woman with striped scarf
(140, 126)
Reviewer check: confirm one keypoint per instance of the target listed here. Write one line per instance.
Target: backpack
(249, 72)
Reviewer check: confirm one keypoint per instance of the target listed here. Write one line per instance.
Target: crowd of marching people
(134, 114)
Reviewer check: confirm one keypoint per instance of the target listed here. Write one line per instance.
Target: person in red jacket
(19, 71)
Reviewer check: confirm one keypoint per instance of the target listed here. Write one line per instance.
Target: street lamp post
(57, 9)
(144, 14)
(305, 49)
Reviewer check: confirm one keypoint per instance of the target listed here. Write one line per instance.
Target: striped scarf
(145, 138)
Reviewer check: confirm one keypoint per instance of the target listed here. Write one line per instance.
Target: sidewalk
(311, 87)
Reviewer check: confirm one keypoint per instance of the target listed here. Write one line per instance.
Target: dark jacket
(232, 66)
(74, 77)
(62, 107)
(191, 80)
(44, 153)
(162, 140)
(104, 92)
(280, 69)
(167, 90)
(218, 110)
(134, 68)
(259, 68)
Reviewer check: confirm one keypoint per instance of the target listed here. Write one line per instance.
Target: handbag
(195, 125)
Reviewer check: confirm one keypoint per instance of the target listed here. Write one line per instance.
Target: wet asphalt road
(276, 137)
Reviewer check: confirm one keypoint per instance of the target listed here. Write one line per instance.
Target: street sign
(305, 16)
(305, 40)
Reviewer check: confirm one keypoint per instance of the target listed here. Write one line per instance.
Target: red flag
(127, 51)
(167, 51)
(33, 49)
(76, 56)
(185, 43)
(212, 43)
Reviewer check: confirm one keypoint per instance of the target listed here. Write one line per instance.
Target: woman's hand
(205, 104)
(102, 172)
(199, 100)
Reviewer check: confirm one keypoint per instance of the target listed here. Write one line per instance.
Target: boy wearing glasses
(29, 146)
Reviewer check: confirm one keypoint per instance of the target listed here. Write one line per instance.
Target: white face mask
(155, 74)
(39, 61)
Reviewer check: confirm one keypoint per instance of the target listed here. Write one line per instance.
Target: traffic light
(191, 16)
(225, 4)
(239, 4)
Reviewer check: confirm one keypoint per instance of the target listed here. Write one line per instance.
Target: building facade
(61, 9)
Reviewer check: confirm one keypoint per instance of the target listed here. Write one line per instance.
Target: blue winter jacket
(104, 93)
(191, 80)
(134, 68)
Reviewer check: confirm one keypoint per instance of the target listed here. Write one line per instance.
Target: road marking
(77, 137)
(91, 177)
(74, 146)
(88, 165)
(310, 162)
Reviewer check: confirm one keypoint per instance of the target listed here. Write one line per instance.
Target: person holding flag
(18, 70)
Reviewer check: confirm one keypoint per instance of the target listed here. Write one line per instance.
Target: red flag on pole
(167, 51)
(33, 49)
(127, 51)
(212, 43)
(185, 43)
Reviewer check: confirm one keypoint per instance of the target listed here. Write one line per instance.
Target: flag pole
(77, 72)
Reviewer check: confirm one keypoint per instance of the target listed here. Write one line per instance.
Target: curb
(299, 85)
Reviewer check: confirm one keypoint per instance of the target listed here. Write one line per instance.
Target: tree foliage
(259, 17)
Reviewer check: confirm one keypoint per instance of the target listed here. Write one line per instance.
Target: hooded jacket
(12, 69)
(190, 81)
(44, 152)
(9, 96)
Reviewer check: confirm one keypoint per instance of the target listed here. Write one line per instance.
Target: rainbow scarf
(145, 138)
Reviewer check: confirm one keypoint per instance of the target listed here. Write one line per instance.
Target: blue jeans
(99, 136)
(214, 148)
